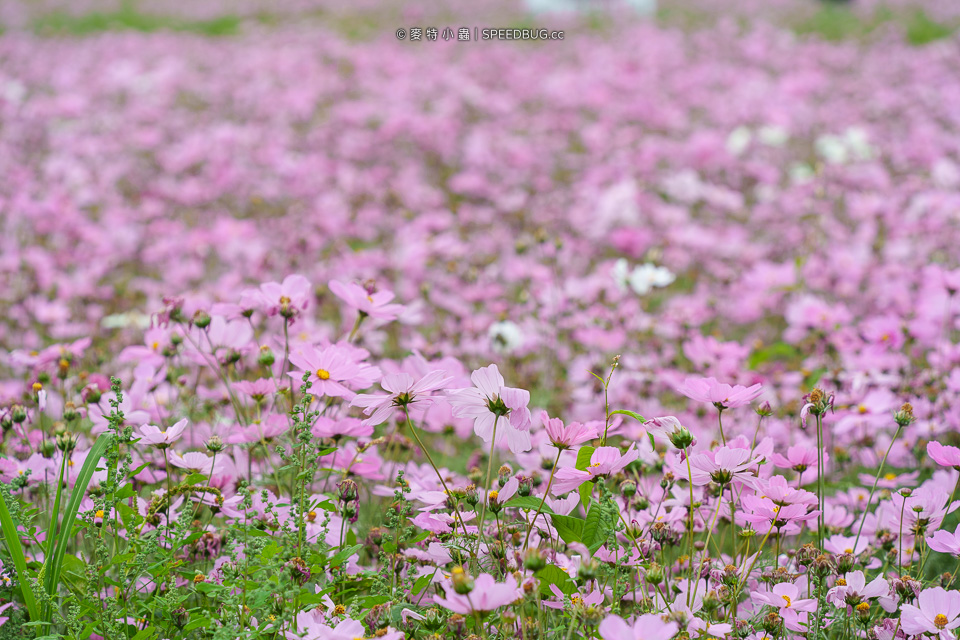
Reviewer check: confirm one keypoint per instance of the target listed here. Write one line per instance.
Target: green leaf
(554, 575)
(195, 478)
(632, 414)
(583, 457)
(422, 583)
(596, 528)
(343, 554)
(16, 553)
(208, 587)
(197, 623)
(146, 634)
(585, 490)
(569, 529)
(528, 502)
(778, 351)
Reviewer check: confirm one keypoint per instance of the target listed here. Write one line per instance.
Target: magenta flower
(330, 428)
(936, 614)
(332, 370)
(196, 462)
(649, 626)
(404, 391)
(604, 461)
(487, 595)
(944, 455)
(162, 439)
(490, 399)
(375, 304)
(723, 396)
(565, 437)
(946, 542)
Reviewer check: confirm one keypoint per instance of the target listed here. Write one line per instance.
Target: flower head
(489, 401)
(723, 396)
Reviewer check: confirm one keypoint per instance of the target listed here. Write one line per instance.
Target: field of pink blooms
(652, 333)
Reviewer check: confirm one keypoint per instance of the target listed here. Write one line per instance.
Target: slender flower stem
(876, 480)
(821, 468)
(483, 501)
(686, 454)
(542, 500)
(720, 422)
(426, 452)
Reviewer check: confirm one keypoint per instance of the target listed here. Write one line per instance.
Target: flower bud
(18, 414)
(654, 573)
(180, 617)
(904, 416)
(628, 488)
(681, 438)
(66, 441)
(215, 444)
(347, 490)
(534, 560)
(266, 357)
(201, 319)
(462, 581)
(764, 410)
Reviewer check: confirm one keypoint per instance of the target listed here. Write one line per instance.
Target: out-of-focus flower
(162, 439)
(722, 395)
(367, 301)
(404, 391)
(566, 436)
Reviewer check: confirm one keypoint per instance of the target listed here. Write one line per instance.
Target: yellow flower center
(370, 298)
(339, 610)
(323, 374)
(37, 387)
(70, 463)
(284, 300)
(862, 408)
(890, 476)
(941, 621)
(786, 599)
(494, 495)
(99, 513)
(155, 345)
(863, 607)
(848, 550)
(841, 582)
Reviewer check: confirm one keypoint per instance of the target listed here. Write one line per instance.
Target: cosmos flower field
(649, 334)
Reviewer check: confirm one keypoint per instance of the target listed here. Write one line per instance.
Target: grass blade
(12, 537)
(55, 564)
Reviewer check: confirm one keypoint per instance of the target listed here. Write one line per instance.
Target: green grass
(130, 19)
(836, 23)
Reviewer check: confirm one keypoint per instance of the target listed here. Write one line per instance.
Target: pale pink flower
(332, 370)
(196, 462)
(404, 391)
(565, 437)
(487, 595)
(488, 400)
(936, 613)
(724, 396)
(649, 626)
(287, 298)
(944, 455)
(604, 461)
(723, 466)
(375, 304)
(162, 439)
(945, 542)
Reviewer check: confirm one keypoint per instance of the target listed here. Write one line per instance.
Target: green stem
(876, 480)
(542, 500)
(483, 500)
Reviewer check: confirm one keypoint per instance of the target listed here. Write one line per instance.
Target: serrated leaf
(554, 575)
(583, 457)
(585, 491)
(569, 529)
(195, 478)
(632, 414)
(529, 503)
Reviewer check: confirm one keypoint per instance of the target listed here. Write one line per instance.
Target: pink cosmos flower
(565, 437)
(798, 458)
(490, 399)
(375, 304)
(287, 298)
(332, 370)
(196, 462)
(604, 461)
(723, 466)
(946, 542)
(330, 428)
(936, 614)
(256, 389)
(944, 455)
(785, 596)
(404, 390)
(846, 544)
(723, 396)
(670, 429)
(162, 439)
(856, 590)
(649, 626)
(487, 595)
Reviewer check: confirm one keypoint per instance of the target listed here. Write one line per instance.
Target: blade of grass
(55, 564)
(12, 537)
